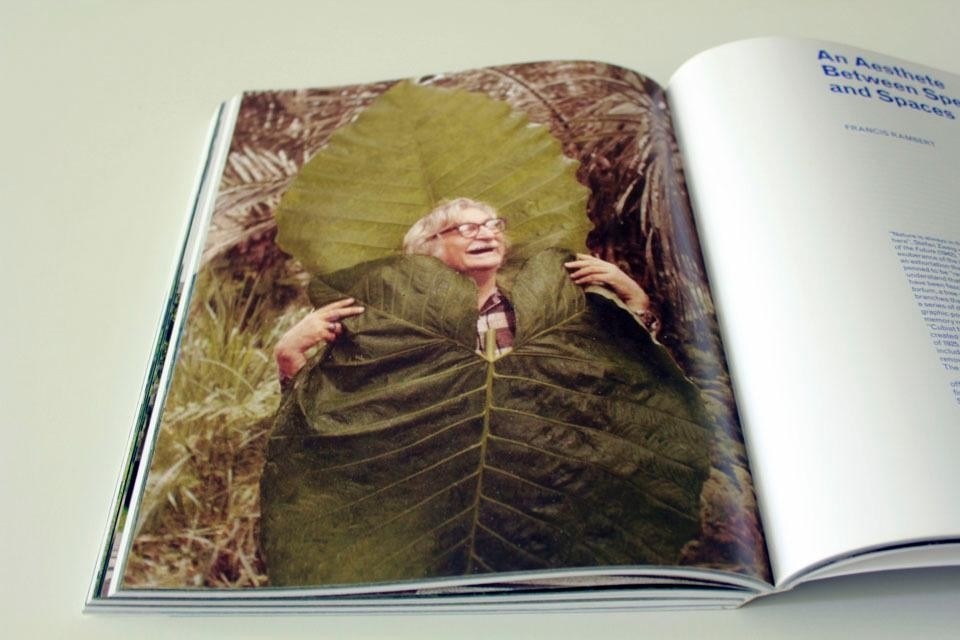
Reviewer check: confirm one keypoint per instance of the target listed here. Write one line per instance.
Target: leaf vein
(383, 524)
(480, 561)
(397, 450)
(512, 545)
(599, 467)
(429, 533)
(353, 503)
(594, 432)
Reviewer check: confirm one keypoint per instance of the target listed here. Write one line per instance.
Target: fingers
(335, 311)
(339, 303)
(590, 280)
(583, 262)
(327, 331)
(321, 324)
(331, 316)
(339, 309)
(590, 259)
(591, 270)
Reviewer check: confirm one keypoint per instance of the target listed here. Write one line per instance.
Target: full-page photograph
(444, 329)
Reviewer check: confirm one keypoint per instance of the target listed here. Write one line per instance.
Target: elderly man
(467, 236)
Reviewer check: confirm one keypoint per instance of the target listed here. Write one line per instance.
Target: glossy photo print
(446, 327)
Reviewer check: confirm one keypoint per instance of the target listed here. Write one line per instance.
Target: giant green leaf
(403, 453)
(413, 147)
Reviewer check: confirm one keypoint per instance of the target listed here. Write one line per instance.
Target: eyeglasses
(472, 229)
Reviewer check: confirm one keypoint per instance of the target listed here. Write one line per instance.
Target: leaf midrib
(484, 439)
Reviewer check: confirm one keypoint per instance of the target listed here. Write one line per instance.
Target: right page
(825, 182)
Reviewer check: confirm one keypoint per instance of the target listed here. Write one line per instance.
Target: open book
(788, 410)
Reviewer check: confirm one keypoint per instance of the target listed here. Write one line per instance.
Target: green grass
(200, 511)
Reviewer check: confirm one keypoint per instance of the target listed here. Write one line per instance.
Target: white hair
(420, 238)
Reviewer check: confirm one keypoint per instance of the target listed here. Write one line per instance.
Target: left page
(600, 437)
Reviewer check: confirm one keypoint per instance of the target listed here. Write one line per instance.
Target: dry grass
(200, 512)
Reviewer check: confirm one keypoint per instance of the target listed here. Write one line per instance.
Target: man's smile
(485, 248)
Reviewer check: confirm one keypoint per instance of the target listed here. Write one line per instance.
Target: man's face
(471, 256)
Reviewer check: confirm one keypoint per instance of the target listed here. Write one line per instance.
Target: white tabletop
(104, 109)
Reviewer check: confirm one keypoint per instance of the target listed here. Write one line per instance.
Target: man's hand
(587, 269)
(320, 325)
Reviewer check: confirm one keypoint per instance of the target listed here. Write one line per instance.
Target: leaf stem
(489, 347)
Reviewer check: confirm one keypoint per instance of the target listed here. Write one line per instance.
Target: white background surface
(102, 117)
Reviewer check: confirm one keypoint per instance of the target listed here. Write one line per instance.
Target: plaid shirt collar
(496, 314)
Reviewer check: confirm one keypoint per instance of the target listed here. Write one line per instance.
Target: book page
(825, 184)
(579, 418)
